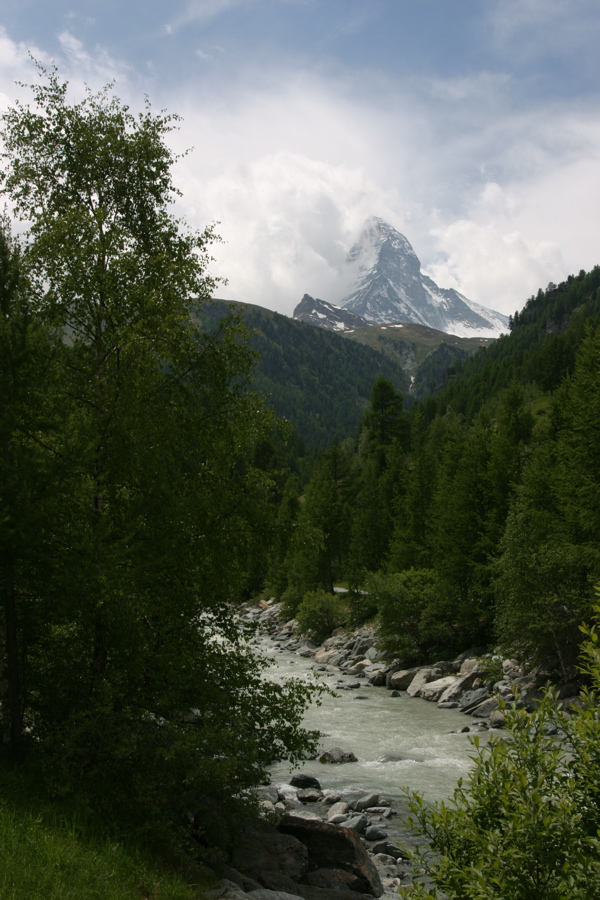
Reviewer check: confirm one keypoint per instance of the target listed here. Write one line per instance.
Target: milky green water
(399, 742)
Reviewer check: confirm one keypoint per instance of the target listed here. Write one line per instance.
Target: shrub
(407, 604)
(361, 607)
(526, 823)
(320, 613)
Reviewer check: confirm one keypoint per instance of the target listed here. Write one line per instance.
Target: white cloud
(96, 67)
(496, 204)
(15, 66)
(494, 267)
(496, 198)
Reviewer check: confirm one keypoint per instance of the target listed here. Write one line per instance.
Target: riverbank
(475, 684)
(467, 690)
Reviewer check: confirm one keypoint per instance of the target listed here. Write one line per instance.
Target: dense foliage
(473, 517)
(524, 824)
(132, 500)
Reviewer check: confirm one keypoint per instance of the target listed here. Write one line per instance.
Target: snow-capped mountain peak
(390, 287)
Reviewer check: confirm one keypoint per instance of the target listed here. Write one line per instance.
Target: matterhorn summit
(390, 287)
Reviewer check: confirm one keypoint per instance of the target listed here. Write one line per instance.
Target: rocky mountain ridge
(313, 311)
(389, 287)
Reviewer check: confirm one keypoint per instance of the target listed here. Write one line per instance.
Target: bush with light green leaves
(525, 824)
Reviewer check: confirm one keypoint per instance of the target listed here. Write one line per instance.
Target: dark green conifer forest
(471, 519)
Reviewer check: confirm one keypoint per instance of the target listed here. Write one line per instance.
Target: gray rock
(358, 666)
(423, 677)
(334, 879)
(243, 881)
(339, 808)
(266, 849)
(385, 859)
(365, 801)
(377, 678)
(401, 679)
(337, 756)
(455, 691)
(309, 795)
(511, 668)
(472, 698)
(332, 847)
(301, 780)
(470, 666)
(306, 814)
(497, 719)
(375, 833)
(398, 757)
(434, 690)
(225, 890)
(361, 646)
(485, 708)
(265, 894)
(389, 849)
(356, 823)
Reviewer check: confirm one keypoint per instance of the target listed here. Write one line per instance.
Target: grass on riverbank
(51, 851)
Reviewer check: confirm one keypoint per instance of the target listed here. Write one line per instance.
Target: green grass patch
(51, 851)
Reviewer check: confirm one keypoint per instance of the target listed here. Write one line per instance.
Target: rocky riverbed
(365, 830)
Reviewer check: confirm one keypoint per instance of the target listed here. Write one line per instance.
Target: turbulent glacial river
(399, 742)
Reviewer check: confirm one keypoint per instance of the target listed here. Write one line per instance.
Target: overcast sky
(472, 126)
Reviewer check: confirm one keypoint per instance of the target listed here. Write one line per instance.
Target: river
(399, 742)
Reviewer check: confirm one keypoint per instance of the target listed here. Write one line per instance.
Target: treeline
(475, 517)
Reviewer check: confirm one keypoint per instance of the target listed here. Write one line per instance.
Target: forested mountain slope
(315, 379)
(473, 518)
(424, 353)
(540, 349)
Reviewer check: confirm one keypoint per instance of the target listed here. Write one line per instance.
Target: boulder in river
(338, 809)
(337, 756)
(356, 823)
(485, 708)
(423, 677)
(309, 795)
(365, 801)
(458, 688)
(434, 689)
(300, 780)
